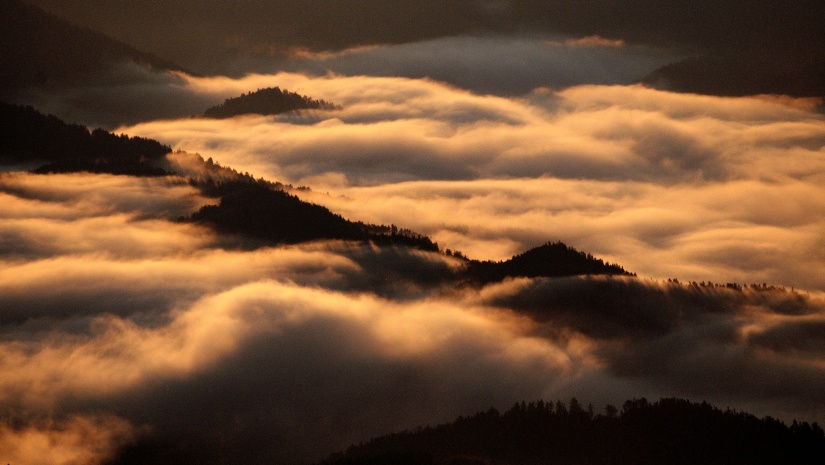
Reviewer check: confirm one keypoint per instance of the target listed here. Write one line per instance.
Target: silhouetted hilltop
(28, 137)
(39, 49)
(670, 431)
(264, 211)
(551, 259)
(268, 101)
(258, 211)
(745, 73)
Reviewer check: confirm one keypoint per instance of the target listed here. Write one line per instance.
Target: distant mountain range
(759, 46)
(768, 50)
(38, 49)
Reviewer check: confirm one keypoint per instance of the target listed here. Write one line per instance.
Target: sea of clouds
(123, 325)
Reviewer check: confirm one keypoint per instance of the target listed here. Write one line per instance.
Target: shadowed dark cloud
(490, 64)
(214, 32)
(703, 340)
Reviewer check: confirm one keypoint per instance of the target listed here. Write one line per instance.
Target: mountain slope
(29, 138)
(38, 49)
(257, 209)
(670, 431)
(742, 74)
(768, 30)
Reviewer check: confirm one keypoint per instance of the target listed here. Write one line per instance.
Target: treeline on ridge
(28, 137)
(267, 101)
(670, 431)
(256, 208)
(550, 259)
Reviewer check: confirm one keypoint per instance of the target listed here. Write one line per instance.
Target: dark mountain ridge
(267, 101)
(548, 260)
(30, 137)
(38, 49)
(257, 209)
(737, 73)
(670, 431)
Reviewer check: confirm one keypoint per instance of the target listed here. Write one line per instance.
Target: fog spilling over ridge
(668, 185)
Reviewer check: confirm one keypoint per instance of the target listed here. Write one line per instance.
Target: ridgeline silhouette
(763, 71)
(264, 211)
(258, 209)
(39, 49)
(28, 137)
(670, 431)
(551, 259)
(267, 101)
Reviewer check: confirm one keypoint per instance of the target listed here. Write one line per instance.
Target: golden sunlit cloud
(81, 440)
(119, 354)
(698, 187)
(595, 41)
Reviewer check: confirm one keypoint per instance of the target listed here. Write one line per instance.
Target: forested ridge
(251, 207)
(28, 137)
(257, 210)
(550, 259)
(267, 101)
(671, 431)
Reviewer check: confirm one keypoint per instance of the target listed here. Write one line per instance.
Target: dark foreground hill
(670, 431)
(39, 49)
(268, 101)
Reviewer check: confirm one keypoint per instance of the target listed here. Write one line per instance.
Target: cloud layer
(668, 185)
(124, 331)
(493, 64)
(177, 344)
(128, 93)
